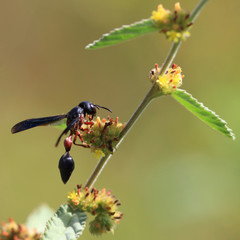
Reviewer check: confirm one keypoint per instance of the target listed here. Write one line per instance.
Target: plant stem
(98, 169)
(197, 10)
(171, 55)
(103, 160)
(147, 99)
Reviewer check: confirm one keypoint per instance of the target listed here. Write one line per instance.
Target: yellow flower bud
(161, 14)
(177, 7)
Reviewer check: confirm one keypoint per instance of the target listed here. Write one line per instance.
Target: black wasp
(76, 117)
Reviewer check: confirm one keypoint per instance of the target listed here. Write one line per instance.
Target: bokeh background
(176, 177)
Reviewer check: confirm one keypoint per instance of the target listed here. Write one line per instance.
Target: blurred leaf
(66, 224)
(39, 217)
(59, 124)
(202, 112)
(124, 33)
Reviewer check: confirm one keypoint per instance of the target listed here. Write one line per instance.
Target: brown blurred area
(176, 178)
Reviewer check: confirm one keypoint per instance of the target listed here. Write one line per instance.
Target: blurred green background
(177, 179)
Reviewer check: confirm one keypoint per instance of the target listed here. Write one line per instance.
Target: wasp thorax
(74, 113)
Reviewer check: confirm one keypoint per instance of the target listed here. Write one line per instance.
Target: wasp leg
(85, 145)
(109, 143)
(89, 123)
(87, 130)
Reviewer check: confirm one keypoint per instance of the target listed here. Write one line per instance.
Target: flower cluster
(12, 231)
(169, 81)
(103, 135)
(174, 24)
(101, 204)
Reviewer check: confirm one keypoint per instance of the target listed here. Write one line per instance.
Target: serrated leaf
(202, 112)
(66, 224)
(123, 33)
(39, 217)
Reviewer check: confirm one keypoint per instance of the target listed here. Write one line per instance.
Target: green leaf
(39, 217)
(66, 224)
(202, 112)
(61, 124)
(124, 33)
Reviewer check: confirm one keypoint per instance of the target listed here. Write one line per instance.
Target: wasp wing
(66, 130)
(34, 122)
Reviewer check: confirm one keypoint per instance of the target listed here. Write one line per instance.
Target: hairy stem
(97, 171)
(147, 99)
(171, 55)
(103, 160)
(197, 10)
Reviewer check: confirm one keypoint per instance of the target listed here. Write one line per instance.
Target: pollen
(12, 230)
(177, 7)
(99, 122)
(153, 74)
(101, 204)
(171, 80)
(98, 153)
(174, 24)
(161, 14)
(173, 36)
(103, 136)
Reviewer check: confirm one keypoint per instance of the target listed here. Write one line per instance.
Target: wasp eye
(88, 108)
(66, 166)
(92, 110)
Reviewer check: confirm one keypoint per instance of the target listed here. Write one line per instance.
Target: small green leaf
(66, 224)
(39, 217)
(202, 112)
(124, 33)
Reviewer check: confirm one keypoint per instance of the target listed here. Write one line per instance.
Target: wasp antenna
(103, 108)
(107, 109)
(98, 107)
